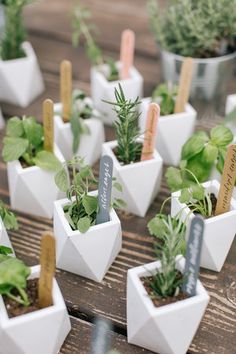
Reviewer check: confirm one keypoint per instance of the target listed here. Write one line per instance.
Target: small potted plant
(83, 246)
(8, 221)
(30, 167)
(125, 152)
(169, 143)
(20, 78)
(214, 51)
(105, 73)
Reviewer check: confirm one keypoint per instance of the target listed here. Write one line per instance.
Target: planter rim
(29, 51)
(58, 305)
(200, 60)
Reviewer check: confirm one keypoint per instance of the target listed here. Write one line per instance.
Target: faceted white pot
(140, 180)
(230, 105)
(90, 146)
(166, 329)
(4, 238)
(42, 331)
(90, 254)
(172, 131)
(20, 79)
(101, 89)
(218, 233)
(32, 189)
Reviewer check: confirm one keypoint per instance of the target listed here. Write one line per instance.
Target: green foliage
(24, 140)
(8, 217)
(126, 127)
(13, 276)
(200, 29)
(5, 250)
(164, 95)
(81, 28)
(14, 33)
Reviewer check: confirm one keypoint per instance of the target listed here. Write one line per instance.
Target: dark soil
(15, 309)
(213, 201)
(23, 163)
(138, 157)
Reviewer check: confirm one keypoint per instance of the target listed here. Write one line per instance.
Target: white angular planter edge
(219, 230)
(20, 79)
(230, 105)
(101, 89)
(136, 193)
(90, 146)
(33, 190)
(166, 329)
(4, 238)
(42, 331)
(90, 254)
(172, 131)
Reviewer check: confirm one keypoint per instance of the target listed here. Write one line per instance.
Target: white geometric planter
(101, 89)
(4, 238)
(166, 329)
(172, 131)
(32, 189)
(90, 254)
(90, 146)
(140, 180)
(218, 233)
(20, 79)
(42, 331)
(230, 105)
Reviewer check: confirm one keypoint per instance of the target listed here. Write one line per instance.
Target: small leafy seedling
(165, 95)
(8, 217)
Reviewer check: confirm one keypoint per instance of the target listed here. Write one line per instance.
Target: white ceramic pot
(42, 331)
(20, 79)
(4, 238)
(101, 89)
(166, 329)
(218, 233)
(172, 131)
(32, 189)
(90, 254)
(90, 146)
(230, 105)
(140, 180)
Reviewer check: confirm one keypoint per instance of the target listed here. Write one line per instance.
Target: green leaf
(174, 179)
(33, 131)
(47, 161)
(185, 196)
(198, 192)
(10, 221)
(210, 153)
(13, 148)
(15, 127)
(198, 166)
(194, 145)
(221, 136)
(84, 224)
(5, 250)
(62, 179)
(117, 186)
(156, 226)
(119, 203)
(90, 204)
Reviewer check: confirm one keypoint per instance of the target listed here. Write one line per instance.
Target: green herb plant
(126, 127)
(24, 141)
(5, 250)
(164, 95)
(83, 29)
(199, 29)
(8, 217)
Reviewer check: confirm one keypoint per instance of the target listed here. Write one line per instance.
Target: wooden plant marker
(47, 262)
(184, 85)
(227, 181)
(126, 53)
(150, 133)
(48, 125)
(66, 88)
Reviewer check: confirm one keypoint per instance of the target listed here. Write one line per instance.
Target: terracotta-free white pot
(219, 230)
(140, 180)
(32, 189)
(230, 105)
(42, 331)
(173, 131)
(166, 329)
(90, 254)
(4, 238)
(101, 89)
(90, 146)
(20, 79)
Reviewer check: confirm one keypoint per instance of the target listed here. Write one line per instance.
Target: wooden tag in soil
(48, 125)
(184, 85)
(66, 89)
(126, 53)
(47, 262)
(151, 131)
(193, 255)
(104, 189)
(227, 181)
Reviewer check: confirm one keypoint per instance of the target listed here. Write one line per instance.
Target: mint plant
(164, 95)
(8, 217)
(24, 141)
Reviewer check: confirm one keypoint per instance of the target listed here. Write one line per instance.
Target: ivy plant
(8, 217)
(164, 95)
(24, 141)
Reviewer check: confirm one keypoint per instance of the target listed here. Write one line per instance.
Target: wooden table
(48, 23)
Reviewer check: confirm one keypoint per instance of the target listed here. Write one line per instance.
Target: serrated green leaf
(13, 148)
(62, 179)
(15, 127)
(84, 224)
(198, 192)
(156, 226)
(90, 204)
(185, 196)
(47, 161)
(221, 136)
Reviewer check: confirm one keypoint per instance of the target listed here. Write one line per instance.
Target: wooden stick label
(66, 89)
(127, 53)
(48, 124)
(151, 131)
(184, 85)
(193, 255)
(47, 262)
(104, 189)
(227, 181)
